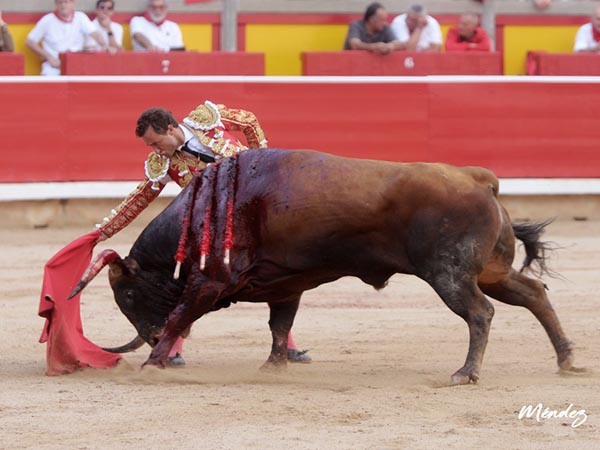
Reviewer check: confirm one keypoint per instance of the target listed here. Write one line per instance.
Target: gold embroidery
(245, 121)
(205, 117)
(156, 168)
(185, 166)
(130, 208)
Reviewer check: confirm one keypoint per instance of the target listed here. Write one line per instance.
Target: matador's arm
(130, 208)
(245, 121)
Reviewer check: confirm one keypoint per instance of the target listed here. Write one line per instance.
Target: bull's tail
(535, 250)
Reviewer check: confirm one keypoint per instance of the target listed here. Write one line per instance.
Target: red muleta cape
(67, 348)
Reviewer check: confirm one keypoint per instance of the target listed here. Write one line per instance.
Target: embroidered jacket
(211, 123)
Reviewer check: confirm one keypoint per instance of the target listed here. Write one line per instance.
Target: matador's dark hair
(157, 118)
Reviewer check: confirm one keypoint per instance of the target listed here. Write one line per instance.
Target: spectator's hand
(111, 50)
(54, 62)
(382, 48)
(389, 48)
(422, 23)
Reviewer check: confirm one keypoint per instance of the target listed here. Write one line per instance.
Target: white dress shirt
(164, 36)
(58, 36)
(431, 34)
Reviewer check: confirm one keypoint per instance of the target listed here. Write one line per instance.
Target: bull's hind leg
(280, 322)
(462, 295)
(517, 289)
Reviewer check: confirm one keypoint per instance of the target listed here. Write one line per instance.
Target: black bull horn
(106, 257)
(136, 343)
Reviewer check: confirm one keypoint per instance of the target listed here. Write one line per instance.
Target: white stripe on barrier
(305, 79)
(120, 189)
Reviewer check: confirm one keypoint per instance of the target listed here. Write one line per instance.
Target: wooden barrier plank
(12, 64)
(171, 63)
(562, 64)
(357, 62)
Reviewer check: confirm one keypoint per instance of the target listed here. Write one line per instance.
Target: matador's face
(163, 144)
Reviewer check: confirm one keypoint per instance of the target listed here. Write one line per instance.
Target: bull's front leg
(280, 321)
(196, 301)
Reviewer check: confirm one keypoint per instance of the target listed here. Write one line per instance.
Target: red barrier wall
(172, 63)
(76, 129)
(362, 62)
(12, 63)
(544, 63)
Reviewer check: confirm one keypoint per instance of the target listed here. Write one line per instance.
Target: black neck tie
(201, 156)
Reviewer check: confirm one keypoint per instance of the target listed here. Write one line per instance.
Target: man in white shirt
(417, 31)
(153, 32)
(112, 32)
(587, 38)
(63, 30)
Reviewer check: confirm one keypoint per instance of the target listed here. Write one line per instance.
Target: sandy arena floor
(382, 362)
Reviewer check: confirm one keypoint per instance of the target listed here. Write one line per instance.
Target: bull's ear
(117, 269)
(131, 265)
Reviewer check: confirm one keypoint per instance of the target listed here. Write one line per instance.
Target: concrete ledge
(318, 6)
(88, 212)
(120, 189)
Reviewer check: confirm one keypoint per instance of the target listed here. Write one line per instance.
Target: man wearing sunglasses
(111, 31)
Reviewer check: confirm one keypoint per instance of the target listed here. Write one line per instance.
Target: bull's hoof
(574, 371)
(565, 362)
(274, 364)
(565, 355)
(156, 362)
(464, 376)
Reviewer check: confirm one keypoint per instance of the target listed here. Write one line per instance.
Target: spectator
(112, 32)
(63, 30)
(372, 32)
(587, 38)
(542, 4)
(468, 36)
(6, 41)
(417, 31)
(153, 32)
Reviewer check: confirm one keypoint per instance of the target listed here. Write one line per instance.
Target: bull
(267, 225)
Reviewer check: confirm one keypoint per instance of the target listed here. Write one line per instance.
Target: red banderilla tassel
(228, 241)
(183, 240)
(205, 244)
(185, 227)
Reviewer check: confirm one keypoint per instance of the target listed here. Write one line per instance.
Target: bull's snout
(153, 336)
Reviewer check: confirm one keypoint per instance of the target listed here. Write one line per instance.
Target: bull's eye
(129, 296)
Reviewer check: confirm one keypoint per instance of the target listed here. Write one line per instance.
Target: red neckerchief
(595, 34)
(149, 19)
(67, 20)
